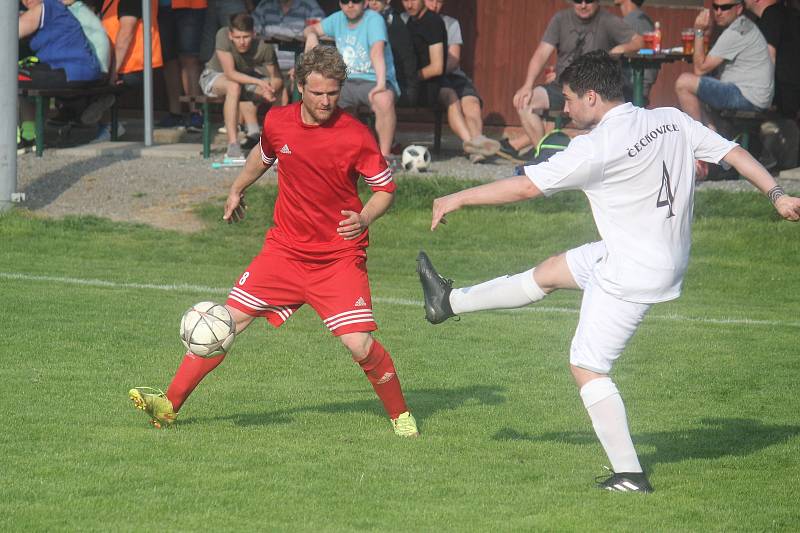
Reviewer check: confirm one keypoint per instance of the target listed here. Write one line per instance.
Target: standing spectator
(780, 26)
(571, 33)
(429, 35)
(361, 38)
(243, 68)
(218, 14)
(180, 23)
(405, 60)
(289, 17)
(122, 20)
(315, 252)
(459, 96)
(637, 19)
(746, 81)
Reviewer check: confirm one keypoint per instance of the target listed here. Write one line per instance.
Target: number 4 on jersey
(665, 196)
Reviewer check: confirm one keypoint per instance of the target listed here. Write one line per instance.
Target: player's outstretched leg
(155, 403)
(435, 289)
(442, 301)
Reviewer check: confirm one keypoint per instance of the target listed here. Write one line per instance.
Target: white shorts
(606, 323)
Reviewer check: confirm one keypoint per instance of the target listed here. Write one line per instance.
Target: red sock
(191, 372)
(379, 368)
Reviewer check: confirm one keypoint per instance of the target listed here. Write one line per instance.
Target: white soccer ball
(207, 329)
(416, 158)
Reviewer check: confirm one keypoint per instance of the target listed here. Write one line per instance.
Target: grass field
(287, 435)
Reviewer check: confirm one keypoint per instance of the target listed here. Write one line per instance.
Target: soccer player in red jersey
(315, 252)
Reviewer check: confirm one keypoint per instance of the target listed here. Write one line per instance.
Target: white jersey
(637, 169)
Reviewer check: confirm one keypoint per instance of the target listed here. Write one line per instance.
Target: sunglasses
(723, 7)
(583, 2)
(345, 2)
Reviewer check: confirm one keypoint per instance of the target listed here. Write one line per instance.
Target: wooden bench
(42, 98)
(205, 103)
(746, 123)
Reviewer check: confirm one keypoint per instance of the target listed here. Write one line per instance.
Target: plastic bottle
(657, 38)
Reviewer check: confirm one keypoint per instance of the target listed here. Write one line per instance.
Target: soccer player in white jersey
(636, 166)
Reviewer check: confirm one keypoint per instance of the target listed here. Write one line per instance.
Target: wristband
(775, 193)
(698, 34)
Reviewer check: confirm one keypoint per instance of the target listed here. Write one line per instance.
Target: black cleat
(436, 290)
(625, 482)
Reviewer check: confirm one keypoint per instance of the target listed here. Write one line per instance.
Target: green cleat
(155, 403)
(405, 425)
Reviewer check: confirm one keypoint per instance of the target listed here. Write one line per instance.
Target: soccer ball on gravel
(416, 158)
(207, 329)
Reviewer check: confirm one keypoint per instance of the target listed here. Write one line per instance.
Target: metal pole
(147, 17)
(8, 103)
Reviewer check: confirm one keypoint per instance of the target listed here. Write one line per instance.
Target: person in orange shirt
(180, 23)
(122, 19)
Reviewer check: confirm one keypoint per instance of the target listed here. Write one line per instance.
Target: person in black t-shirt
(780, 25)
(429, 36)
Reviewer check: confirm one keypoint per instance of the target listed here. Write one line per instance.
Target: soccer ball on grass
(416, 158)
(207, 329)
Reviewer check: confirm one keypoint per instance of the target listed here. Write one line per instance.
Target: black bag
(780, 139)
(550, 144)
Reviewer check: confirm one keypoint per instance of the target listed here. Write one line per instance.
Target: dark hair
(241, 22)
(322, 59)
(638, 2)
(595, 71)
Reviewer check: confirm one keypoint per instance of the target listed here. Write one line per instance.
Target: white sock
(604, 404)
(505, 292)
(253, 130)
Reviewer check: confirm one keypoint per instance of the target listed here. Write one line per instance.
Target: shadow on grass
(718, 437)
(423, 403)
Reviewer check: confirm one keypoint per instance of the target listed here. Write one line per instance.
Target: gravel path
(162, 191)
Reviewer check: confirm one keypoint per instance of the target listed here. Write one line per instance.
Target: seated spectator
(637, 19)
(570, 33)
(405, 60)
(780, 26)
(180, 25)
(218, 14)
(460, 97)
(65, 57)
(745, 81)
(242, 68)
(93, 29)
(287, 18)
(429, 36)
(361, 38)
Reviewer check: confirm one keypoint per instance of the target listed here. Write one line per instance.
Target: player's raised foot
(155, 403)
(625, 482)
(405, 425)
(435, 289)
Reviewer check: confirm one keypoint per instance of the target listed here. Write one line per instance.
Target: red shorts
(274, 287)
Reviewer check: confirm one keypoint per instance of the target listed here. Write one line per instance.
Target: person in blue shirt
(361, 38)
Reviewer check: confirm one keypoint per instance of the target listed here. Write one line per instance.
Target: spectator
(780, 26)
(459, 96)
(122, 20)
(570, 33)
(637, 19)
(405, 61)
(93, 29)
(429, 36)
(741, 59)
(289, 17)
(361, 38)
(180, 23)
(245, 68)
(65, 57)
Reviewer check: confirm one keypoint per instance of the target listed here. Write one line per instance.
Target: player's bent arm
(504, 191)
(755, 173)
(254, 168)
(376, 206)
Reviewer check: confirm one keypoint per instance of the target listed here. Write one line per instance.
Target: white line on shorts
(186, 287)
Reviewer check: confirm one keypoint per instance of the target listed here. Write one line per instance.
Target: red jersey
(318, 171)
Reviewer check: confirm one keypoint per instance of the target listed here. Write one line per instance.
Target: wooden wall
(500, 37)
